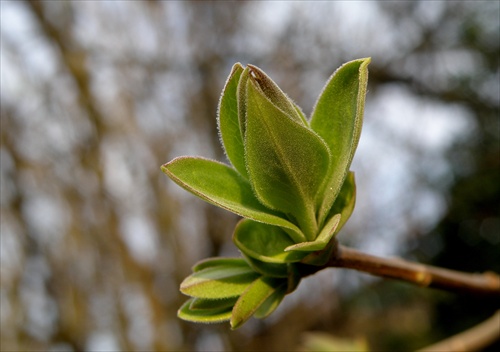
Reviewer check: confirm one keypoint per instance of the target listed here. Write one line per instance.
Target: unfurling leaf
(212, 304)
(267, 269)
(203, 315)
(264, 242)
(272, 302)
(275, 95)
(228, 122)
(321, 241)
(345, 201)
(286, 160)
(218, 282)
(219, 261)
(337, 117)
(253, 297)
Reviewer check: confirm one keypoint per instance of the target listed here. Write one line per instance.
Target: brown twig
(474, 339)
(423, 275)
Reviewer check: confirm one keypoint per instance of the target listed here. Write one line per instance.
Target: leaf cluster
(289, 179)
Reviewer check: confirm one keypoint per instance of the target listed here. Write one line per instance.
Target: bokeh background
(96, 95)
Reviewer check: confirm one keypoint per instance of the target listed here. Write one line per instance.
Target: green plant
(289, 180)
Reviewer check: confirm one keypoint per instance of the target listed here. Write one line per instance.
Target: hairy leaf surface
(275, 95)
(271, 303)
(219, 261)
(268, 269)
(337, 117)
(345, 201)
(221, 185)
(264, 242)
(212, 304)
(253, 297)
(205, 315)
(218, 282)
(321, 241)
(229, 124)
(286, 160)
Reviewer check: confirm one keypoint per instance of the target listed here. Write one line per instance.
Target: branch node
(423, 277)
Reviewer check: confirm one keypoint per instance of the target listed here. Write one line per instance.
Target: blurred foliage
(97, 95)
(315, 342)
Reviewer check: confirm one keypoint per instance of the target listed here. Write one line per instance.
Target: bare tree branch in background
(474, 339)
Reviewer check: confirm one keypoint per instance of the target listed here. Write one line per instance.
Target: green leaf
(320, 258)
(221, 185)
(286, 161)
(301, 114)
(271, 303)
(345, 201)
(218, 282)
(203, 315)
(322, 240)
(264, 242)
(228, 122)
(253, 297)
(242, 104)
(275, 95)
(337, 117)
(212, 304)
(219, 261)
(344, 205)
(267, 269)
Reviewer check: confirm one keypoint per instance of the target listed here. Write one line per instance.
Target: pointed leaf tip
(274, 94)
(228, 121)
(322, 240)
(253, 297)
